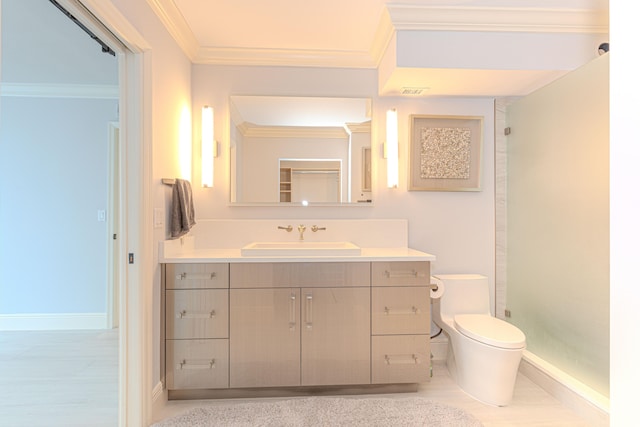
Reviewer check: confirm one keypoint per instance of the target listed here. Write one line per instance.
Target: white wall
(170, 85)
(625, 211)
(457, 227)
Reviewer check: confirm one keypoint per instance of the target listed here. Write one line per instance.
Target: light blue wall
(53, 181)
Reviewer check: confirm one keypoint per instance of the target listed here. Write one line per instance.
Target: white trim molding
(574, 394)
(51, 90)
(396, 17)
(498, 19)
(52, 321)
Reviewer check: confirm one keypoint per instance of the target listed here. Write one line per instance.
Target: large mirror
(294, 151)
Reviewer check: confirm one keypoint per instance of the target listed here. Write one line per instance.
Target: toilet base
(486, 373)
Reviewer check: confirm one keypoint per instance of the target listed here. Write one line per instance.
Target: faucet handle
(315, 228)
(289, 228)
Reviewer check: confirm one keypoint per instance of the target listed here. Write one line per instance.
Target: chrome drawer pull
(292, 312)
(403, 274)
(412, 311)
(196, 364)
(196, 276)
(187, 315)
(409, 359)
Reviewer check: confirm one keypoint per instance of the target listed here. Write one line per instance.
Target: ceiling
(358, 34)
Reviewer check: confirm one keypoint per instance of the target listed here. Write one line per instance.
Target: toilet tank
(464, 293)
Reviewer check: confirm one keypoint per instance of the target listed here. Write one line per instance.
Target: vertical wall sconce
(391, 148)
(209, 150)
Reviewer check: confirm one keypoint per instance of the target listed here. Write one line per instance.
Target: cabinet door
(400, 359)
(197, 276)
(264, 335)
(400, 273)
(194, 364)
(197, 313)
(335, 336)
(400, 310)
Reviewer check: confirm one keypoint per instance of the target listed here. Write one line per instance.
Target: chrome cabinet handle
(402, 274)
(411, 311)
(309, 311)
(196, 364)
(292, 311)
(195, 276)
(184, 314)
(401, 359)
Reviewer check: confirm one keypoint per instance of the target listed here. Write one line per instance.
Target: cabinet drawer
(193, 364)
(400, 273)
(400, 310)
(197, 313)
(400, 359)
(196, 276)
(300, 274)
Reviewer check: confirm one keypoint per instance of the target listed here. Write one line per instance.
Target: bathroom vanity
(238, 325)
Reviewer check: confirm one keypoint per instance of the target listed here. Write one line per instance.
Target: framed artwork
(445, 153)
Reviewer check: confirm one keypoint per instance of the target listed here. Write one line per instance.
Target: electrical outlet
(102, 215)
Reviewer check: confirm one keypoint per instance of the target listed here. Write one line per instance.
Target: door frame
(135, 278)
(113, 221)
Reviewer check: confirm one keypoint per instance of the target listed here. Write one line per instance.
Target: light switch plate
(158, 217)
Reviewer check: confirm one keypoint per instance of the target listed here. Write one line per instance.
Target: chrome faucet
(301, 229)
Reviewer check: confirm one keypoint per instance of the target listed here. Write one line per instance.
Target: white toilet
(484, 352)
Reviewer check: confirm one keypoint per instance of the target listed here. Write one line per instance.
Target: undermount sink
(300, 248)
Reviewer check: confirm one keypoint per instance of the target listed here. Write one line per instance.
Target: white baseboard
(52, 321)
(159, 399)
(591, 405)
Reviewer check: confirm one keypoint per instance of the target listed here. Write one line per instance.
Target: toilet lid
(489, 330)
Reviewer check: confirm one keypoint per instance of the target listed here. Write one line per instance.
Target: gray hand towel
(182, 212)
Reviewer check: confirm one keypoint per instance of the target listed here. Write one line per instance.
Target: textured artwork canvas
(445, 153)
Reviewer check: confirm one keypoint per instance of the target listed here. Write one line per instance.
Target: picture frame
(445, 153)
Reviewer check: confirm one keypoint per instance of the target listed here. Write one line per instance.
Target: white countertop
(234, 255)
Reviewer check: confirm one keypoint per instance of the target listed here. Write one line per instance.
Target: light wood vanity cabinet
(196, 326)
(400, 322)
(318, 334)
(248, 325)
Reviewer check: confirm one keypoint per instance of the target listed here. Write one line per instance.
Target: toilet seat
(489, 330)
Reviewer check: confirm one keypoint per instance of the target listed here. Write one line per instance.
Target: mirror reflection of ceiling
(301, 111)
(41, 45)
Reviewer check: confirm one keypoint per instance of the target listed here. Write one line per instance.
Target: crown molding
(396, 17)
(308, 132)
(364, 127)
(176, 25)
(44, 90)
(284, 57)
(495, 19)
(382, 37)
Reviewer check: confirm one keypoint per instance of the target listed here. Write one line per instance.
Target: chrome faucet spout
(301, 229)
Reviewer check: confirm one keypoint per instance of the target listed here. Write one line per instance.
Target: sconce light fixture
(209, 149)
(391, 148)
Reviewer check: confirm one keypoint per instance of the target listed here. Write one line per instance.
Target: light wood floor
(59, 378)
(69, 378)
